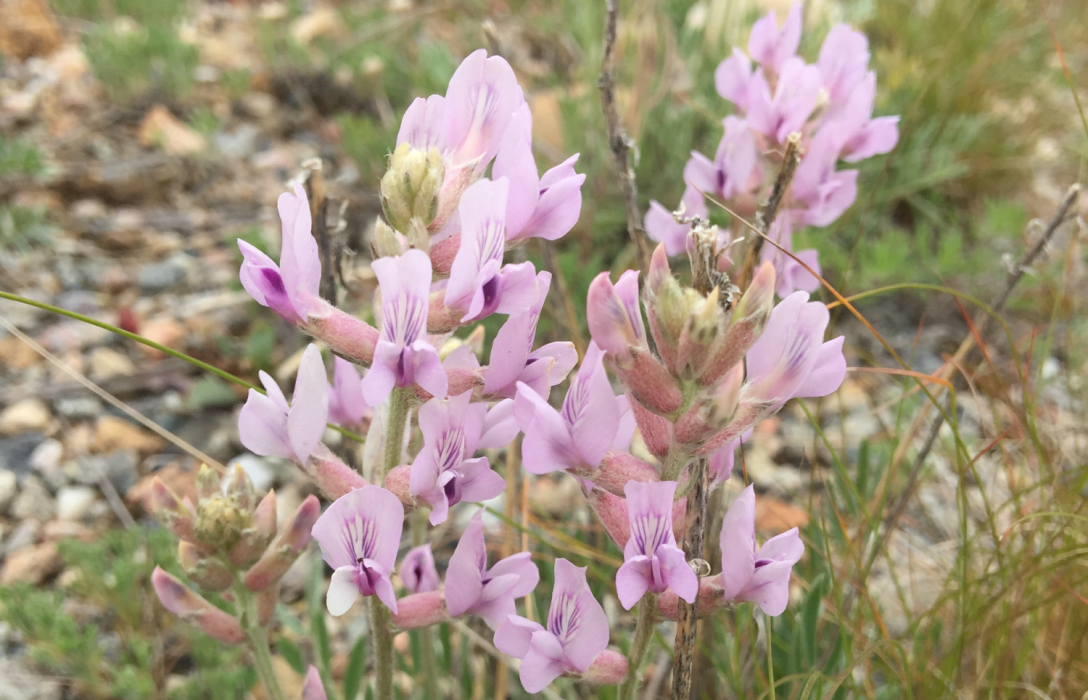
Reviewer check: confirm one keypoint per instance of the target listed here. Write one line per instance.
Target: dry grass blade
(111, 399)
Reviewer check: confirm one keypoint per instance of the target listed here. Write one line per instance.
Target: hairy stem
(394, 433)
(675, 461)
(258, 642)
(426, 635)
(644, 632)
(687, 619)
(383, 648)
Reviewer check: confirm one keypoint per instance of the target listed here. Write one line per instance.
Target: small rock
(22, 682)
(112, 433)
(9, 488)
(28, 28)
(119, 468)
(30, 564)
(46, 461)
(107, 363)
(166, 332)
(775, 516)
(57, 530)
(238, 144)
(34, 501)
(76, 408)
(181, 481)
(158, 277)
(74, 502)
(15, 452)
(25, 416)
(323, 21)
(17, 355)
(27, 533)
(161, 128)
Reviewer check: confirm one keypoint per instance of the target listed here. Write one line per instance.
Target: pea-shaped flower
(359, 536)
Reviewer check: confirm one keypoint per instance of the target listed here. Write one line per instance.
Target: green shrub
(151, 59)
(110, 597)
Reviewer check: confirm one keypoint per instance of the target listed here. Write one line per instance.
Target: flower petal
(423, 125)
(632, 581)
(309, 405)
(514, 635)
(262, 427)
(343, 590)
(464, 582)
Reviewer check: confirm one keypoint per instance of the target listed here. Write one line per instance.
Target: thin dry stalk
(1015, 275)
(618, 140)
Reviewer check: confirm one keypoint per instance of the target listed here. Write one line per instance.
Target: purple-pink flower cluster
(696, 373)
(775, 93)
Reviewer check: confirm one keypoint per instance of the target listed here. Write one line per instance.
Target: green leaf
(292, 655)
(353, 676)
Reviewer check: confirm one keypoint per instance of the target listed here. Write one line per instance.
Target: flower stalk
(383, 649)
(258, 641)
(397, 421)
(640, 644)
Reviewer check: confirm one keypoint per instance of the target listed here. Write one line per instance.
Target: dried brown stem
(319, 204)
(768, 210)
(618, 140)
(687, 619)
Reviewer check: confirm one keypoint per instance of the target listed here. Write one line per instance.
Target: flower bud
(220, 517)
(748, 413)
(386, 241)
(443, 253)
(175, 514)
(609, 668)
(659, 269)
(702, 329)
(281, 554)
(449, 197)
(266, 604)
(330, 474)
(656, 431)
(421, 610)
(711, 412)
(616, 469)
(188, 605)
(255, 538)
(349, 337)
(648, 381)
(614, 315)
(312, 688)
(208, 484)
(207, 572)
(239, 487)
(611, 510)
(711, 600)
(397, 482)
(441, 318)
(409, 188)
(748, 320)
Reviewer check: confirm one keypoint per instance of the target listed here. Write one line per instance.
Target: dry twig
(618, 140)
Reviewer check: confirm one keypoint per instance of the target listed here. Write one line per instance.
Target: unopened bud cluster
(229, 541)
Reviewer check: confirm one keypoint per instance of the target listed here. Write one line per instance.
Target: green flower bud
(409, 188)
